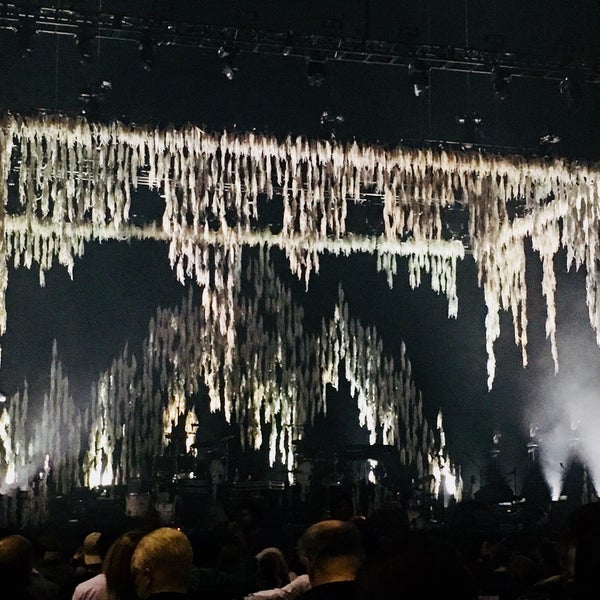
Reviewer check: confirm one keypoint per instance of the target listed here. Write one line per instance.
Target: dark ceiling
(369, 50)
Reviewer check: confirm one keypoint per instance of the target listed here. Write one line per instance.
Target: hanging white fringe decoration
(77, 178)
(273, 388)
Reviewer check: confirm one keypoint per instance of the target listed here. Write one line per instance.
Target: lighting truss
(169, 29)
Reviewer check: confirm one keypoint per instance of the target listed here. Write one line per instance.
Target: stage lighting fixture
(329, 124)
(316, 73)
(92, 97)
(146, 49)
(549, 139)
(471, 129)
(289, 43)
(228, 56)
(228, 71)
(84, 40)
(419, 79)
(571, 89)
(501, 83)
(25, 32)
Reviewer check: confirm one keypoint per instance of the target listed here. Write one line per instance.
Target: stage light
(25, 32)
(501, 83)
(548, 143)
(419, 79)
(92, 97)
(571, 89)
(84, 40)
(289, 43)
(549, 138)
(228, 71)
(316, 72)
(228, 56)
(471, 129)
(329, 124)
(146, 49)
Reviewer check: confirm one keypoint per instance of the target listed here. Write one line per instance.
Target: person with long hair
(117, 566)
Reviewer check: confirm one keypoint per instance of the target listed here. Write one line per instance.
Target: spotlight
(289, 43)
(228, 56)
(225, 51)
(316, 73)
(329, 123)
(548, 143)
(92, 97)
(570, 87)
(146, 49)
(471, 129)
(25, 32)
(549, 139)
(84, 40)
(419, 79)
(501, 81)
(228, 71)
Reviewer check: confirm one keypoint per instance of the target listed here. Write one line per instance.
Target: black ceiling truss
(167, 30)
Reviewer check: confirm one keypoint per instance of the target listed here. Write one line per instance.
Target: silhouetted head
(331, 550)
(16, 563)
(162, 562)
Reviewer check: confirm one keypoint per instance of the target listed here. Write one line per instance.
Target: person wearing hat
(94, 586)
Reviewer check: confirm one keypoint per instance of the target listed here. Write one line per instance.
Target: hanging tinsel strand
(279, 375)
(76, 174)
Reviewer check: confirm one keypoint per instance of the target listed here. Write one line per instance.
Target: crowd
(343, 556)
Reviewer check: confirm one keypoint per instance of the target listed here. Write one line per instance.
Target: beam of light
(567, 422)
(101, 443)
(445, 479)
(450, 482)
(191, 422)
(372, 466)
(9, 455)
(175, 408)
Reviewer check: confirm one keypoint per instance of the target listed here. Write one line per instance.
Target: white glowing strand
(79, 176)
(73, 173)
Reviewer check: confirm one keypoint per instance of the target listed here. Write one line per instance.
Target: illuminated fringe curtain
(275, 386)
(77, 177)
(75, 181)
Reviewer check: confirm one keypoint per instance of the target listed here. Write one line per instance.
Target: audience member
(42, 588)
(54, 565)
(425, 567)
(254, 529)
(292, 590)
(18, 576)
(222, 567)
(94, 586)
(16, 563)
(272, 570)
(117, 566)
(584, 529)
(161, 565)
(332, 552)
